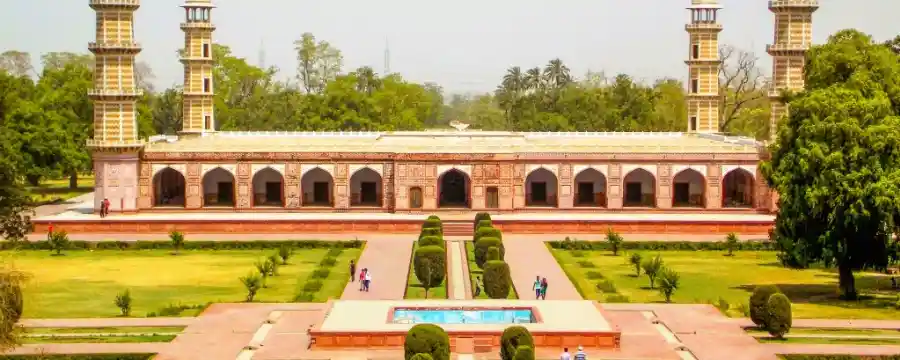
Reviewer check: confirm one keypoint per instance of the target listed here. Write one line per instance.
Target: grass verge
(476, 272)
(414, 289)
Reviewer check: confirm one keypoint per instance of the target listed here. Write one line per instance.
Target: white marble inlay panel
(378, 168)
(305, 168)
(467, 169)
(255, 168)
(230, 168)
(554, 168)
(699, 168)
(181, 168)
(628, 168)
(729, 168)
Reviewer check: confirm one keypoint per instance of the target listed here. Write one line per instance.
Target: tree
(272, 262)
(429, 265)
(779, 316)
(524, 352)
(58, 241)
(731, 242)
(741, 84)
(285, 252)
(512, 338)
(16, 63)
(177, 240)
(262, 267)
(836, 161)
(652, 267)
(58, 60)
(497, 282)
(557, 74)
(894, 44)
(614, 240)
(123, 302)
(759, 300)
(668, 283)
(635, 261)
(317, 63)
(427, 339)
(421, 356)
(252, 283)
(481, 248)
(15, 211)
(11, 305)
(166, 111)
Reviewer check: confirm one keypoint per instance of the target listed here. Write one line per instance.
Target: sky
(463, 45)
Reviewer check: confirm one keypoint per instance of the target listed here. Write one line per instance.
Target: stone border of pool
(535, 313)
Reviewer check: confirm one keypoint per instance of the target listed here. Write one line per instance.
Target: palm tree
(367, 80)
(533, 80)
(557, 74)
(510, 90)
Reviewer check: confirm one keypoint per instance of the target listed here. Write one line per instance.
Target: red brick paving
(378, 236)
(388, 259)
(530, 258)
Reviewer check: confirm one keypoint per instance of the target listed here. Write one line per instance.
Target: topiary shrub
(421, 357)
(431, 231)
(513, 337)
(427, 339)
(483, 224)
(430, 266)
(493, 253)
(488, 232)
(496, 279)
(759, 300)
(431, 241)
(481, 248)
(478, 218)
(524, 352)
(433, 222)
(779, 318)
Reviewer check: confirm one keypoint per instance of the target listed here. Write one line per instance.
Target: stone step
(458, 228)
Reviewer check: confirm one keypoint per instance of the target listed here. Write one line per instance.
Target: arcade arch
(590, 188)
(737, 189)
(317, 187)
(268, 188)
(218, 188)
(689, 189)
(365, 188)
(168, 188)
(453, 189)
(640, 189)
(540, 188)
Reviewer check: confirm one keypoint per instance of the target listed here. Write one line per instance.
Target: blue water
(463, 316)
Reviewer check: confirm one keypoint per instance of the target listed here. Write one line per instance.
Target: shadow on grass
(875, 293)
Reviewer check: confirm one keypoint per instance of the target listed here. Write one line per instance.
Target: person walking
(580, 355)
(537, 288)
(477, 286)
(362, 279)
(49, 231)
(107, 207)
(368, 279)
(544, 289)
(352, 271)
(565, 355)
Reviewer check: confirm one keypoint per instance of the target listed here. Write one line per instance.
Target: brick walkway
(388, 259)
(529, 258)
(53, 209)
(377, 236)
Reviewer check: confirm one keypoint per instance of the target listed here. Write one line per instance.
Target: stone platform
(369, 325)
(80, 219)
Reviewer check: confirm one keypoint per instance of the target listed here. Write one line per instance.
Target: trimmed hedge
(435, 269)
(759, 300)
(493, 253)
(524, 352)
(80, 357)
(661, 245)
(432, 222)
(188, 245)
(431, 231)
(780, 318)
(511, 339)
(497, 283)
(421, 357)
(431, 241)
(481, 249)
(488, 232)
(479, 217)
(427, 339)
(484, 224)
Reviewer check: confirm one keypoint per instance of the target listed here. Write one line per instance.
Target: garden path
(528, 258)
(388, 259)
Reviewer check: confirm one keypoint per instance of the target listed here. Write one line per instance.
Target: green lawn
(108, 330)
(476, 272)
(414, 289)
(85, 283)
(829, 341)
(98, 339)
(56, 190)
(827, 331)
(707, 276)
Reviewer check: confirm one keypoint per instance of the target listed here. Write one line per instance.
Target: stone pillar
(244, 186)
(763, 197)
(116, 179)
(713, 186)
(193, 197)
(565, 197)
(614, 185)
(292, 186)
(506, 189)
(145, 196)
(518, 185)
(341, 186)
(664, 186)
(387, 187)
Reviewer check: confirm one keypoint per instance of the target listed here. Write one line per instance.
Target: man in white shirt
(580, 355)
(368, 280)
(565, 355)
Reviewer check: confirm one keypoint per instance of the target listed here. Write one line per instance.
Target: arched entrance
(590, 188)
(268, 188)
(168, 188)
(365, 188)
(737, 189)
(453, 187)
(218, 188)
(540, 188)
(317, 185)
(640, 189)
(689, 189)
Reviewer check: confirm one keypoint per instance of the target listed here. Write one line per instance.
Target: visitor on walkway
(368, 279)
(477, 286)
(362, 279)
(537, 288)
(580, 355)
(49, 231)
(565, 355)
(544, 289)
(352, 271)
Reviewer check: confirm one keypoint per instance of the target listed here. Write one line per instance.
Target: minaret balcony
(118, 93)
(709, 26)
(787, 49)
(793, 4)
(704, 96)
(197, 93)
(196, 59)
(100, 145)
(198, 25)
(114, 4)
(703, 62)
(114, 46)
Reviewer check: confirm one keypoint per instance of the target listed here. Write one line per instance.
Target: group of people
(104, 208)
(540, 288)
(580, 355)
(365, 277)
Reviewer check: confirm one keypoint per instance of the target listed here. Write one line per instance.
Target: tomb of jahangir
(205, 170)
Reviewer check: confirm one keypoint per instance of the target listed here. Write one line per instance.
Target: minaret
(115, 147)
(198, 64)
(115, 93)
(703, 98)
(793, 37)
